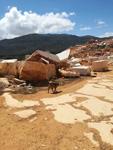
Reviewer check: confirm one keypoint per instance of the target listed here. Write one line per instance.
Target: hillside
(27, 44)
(93, 48)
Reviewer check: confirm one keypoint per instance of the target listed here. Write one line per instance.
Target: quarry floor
(78, 117)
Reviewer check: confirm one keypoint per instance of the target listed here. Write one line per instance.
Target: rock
(18, 81)
(44, 61)
(74, 60)
(92, 59)
(37, 55)
(35, 71)
(68, 73)
(9, 67)
(100, 65)
(4, 82)
(64, 55)
(27, 56)
(2, 86)
(92, 41)
(9, 77)
(30, 88)
(83, 70)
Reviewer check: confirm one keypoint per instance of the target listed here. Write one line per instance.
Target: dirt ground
(42, 131)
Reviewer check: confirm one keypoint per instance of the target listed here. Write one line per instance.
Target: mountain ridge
(55, 43)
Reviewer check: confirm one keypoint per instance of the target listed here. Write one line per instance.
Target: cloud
(101, 22)
(64, 14)
(9, 7)
(107, 34)
(15, 23)
(85, 28)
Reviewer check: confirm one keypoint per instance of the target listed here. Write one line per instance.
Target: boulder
(27, 56)
(9, 77)
(45, 56)
(91, 59)
(83, 70)
(74, 60)
(68, 73)
(9, 67)
(17, 81)
(37, 55)
(4, 82)
(108, 58)
(100, 65)
(35, 71)
(64, 55)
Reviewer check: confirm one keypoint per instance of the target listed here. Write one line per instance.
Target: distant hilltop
(54, 43)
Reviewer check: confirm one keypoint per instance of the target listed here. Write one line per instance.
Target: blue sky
(76, 17)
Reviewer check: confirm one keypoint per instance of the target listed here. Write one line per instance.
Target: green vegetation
(19, 57)
(24, 45)
(27, 44)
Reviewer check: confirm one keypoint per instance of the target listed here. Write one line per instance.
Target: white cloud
(72, 13)
(107, 34)
(64, 14)
(85, 28)
(9, 7)
(16, 24)
(101, 22)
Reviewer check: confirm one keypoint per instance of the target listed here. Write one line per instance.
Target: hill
(27, 44)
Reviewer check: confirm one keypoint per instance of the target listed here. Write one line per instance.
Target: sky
(75, 17)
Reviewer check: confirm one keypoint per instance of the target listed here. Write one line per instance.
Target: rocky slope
(93, 48)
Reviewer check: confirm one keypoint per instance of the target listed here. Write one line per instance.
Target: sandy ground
(79, 116)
